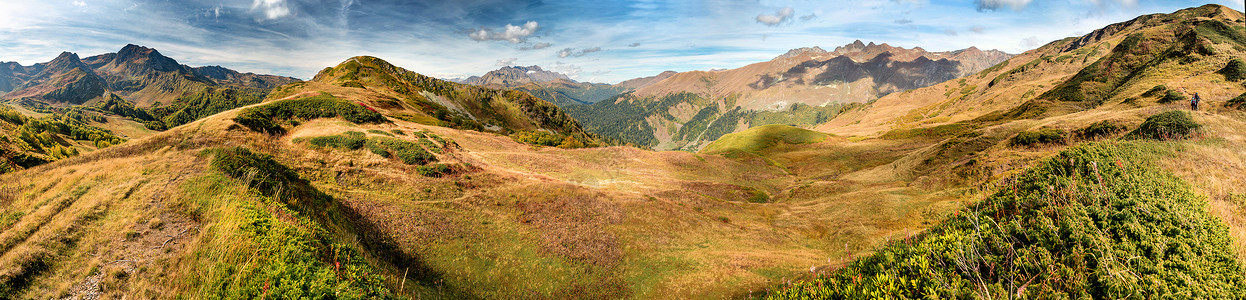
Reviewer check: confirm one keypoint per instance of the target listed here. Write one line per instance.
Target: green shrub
(1042, 136)
(1098, 221)
(398, 132)
(1169, 125)
(378, 132)
(1172, 96)
(435, 170)
(261, 172)
(409, 152)
(1100, 129)
(759, 197)
(269, 117)
(1235, 70)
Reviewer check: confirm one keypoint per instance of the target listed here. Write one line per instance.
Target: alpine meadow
(774, 149)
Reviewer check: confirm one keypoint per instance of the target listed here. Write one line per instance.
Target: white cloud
(977, 29)
(1031, 43)
(1017, 5)
(506, 62)
(273, 9)
(79, 3)
(949, 32)
(808, 17)
(904, 21)
(634, 45)
(778, 18)
(570, 52)
(537, 46)
(511, 33)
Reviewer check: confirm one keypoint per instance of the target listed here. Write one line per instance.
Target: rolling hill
(372, 181)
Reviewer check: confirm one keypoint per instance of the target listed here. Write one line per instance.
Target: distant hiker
(1194, 102)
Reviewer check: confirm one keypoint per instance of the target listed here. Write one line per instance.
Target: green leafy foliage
(35, 141)
(270, 117)
(1096, 222)
(550, 139)
(291, 259)
(1169, 125)
(1039, 137)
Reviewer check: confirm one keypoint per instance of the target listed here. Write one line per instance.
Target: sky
(593, 40)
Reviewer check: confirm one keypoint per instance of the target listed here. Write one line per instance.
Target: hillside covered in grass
(417, 98)
(374, 182)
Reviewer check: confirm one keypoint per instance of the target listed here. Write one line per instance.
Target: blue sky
(595, 40)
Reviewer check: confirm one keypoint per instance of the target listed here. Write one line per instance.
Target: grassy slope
(519, 221)
(971, 150)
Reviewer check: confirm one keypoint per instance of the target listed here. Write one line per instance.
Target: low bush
(435, 170)
(1172, 96)
(1042, 136)
(1235, 70)
(1098, 221)
(1169, 125)
(378, 132)
(1100, 129)
(350, 140)
(409, 152)
(270, 117)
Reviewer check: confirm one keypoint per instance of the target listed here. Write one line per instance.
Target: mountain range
(803, 87)
(1074, 170)
(138, 74)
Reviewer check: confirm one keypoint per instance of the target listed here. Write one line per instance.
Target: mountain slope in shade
(803, 87)
(139, 74)
(64, 79)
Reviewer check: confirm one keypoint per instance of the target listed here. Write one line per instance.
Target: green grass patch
(1098, 221)
(940, 131)
(759, 138)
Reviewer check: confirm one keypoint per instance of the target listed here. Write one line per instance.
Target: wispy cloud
(634, 45)
(537, 46)
(272, 9)
(506, 62)
(511, 33)
(777, 18)
(571, 52)
(1017, 5)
